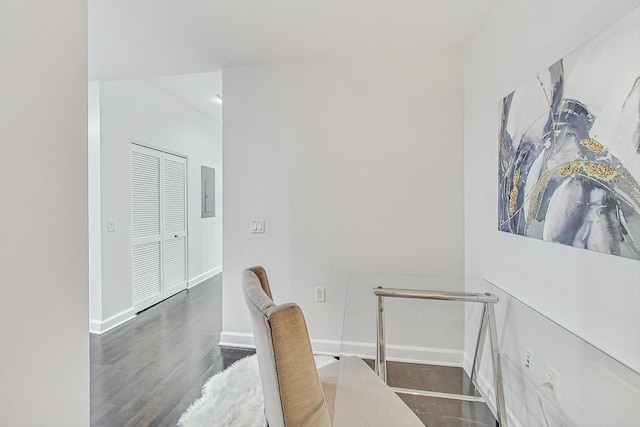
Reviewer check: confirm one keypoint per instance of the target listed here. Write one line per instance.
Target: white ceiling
(144, 38)
(198, 91)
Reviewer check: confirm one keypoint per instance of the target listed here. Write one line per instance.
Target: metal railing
(488, 318)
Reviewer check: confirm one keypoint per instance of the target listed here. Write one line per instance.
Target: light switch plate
(111, 225)
(257, 226)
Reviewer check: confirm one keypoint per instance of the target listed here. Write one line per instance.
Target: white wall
(137, 110)
(593, 389)
(95, 219)
(43, 213)
(594, 295)
(355, 165)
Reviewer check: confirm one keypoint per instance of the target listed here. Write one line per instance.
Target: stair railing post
(497, 368)
(381, 357)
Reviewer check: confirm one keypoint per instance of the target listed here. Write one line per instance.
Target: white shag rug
(233, 397)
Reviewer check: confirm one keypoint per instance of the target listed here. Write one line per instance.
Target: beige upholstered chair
(292, 392)
(295, 395)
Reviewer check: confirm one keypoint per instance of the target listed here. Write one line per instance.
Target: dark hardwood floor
(433, 411)
(149, 370)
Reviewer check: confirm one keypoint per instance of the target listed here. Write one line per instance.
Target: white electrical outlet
(529, 361)
(320, 297)
(553, 378)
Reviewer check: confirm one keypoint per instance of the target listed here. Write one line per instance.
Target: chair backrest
(264, 280)
(292, 391)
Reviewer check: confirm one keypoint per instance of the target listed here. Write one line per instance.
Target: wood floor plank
(149, 370)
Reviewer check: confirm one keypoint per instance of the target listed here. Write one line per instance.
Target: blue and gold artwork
(569, 155)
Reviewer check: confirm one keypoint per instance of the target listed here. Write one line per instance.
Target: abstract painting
(569, 154)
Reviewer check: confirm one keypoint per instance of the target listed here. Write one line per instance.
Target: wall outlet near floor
(529, 361)
(320, 297)
(552, 377)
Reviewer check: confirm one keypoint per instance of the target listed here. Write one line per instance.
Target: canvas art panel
(569, 153)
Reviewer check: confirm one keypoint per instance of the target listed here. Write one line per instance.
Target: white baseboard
(100, 327)
(236, 339)
(409, 354)
(204, 276)
(399, 353)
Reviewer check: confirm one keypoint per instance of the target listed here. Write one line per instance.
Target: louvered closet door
(159, 225)
(175, 224)
(146, 236)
